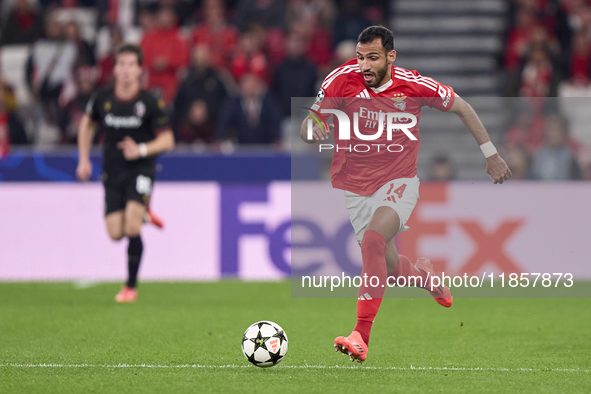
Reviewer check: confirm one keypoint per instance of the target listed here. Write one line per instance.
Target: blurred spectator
(199, 100)
(85, 50)
(345, 51)
(555, 161)
(580, 60)
(441, 169)
(296, 76)
(350, 22)
(24, 25)
(107, 63)
(538, 76)
(526, 131)
(252, 117)
(324, 10)
(72, 112)
(12, 131)
(249, 58)
(165, 53)
(318, 40)
(220, 37)
(266, 13)
(49, 67)
(519, 36)
(519, 161)
(147, 20)
(120, 13)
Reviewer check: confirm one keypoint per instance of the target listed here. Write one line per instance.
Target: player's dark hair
(371, 33)
(130, 48)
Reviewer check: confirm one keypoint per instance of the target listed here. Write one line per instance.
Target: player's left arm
(495, 165)
(163, 142)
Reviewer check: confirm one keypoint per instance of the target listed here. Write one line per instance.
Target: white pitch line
(197, 366)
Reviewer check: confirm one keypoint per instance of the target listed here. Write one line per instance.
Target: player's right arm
(328, 96)
(86, 132)
(318, 133)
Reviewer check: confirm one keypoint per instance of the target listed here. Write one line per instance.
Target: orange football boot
(441, 294)
(151, 217)
(126, 295)
(353, 346)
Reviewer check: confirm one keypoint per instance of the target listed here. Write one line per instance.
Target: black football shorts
(127, 185)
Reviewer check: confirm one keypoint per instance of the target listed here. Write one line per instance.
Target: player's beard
(378, 77)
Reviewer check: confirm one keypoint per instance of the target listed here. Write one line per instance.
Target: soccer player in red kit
(379, 176)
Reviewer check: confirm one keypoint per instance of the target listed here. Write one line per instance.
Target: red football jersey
(361, 164)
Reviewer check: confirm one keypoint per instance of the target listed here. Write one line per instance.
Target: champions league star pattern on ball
(264, 344)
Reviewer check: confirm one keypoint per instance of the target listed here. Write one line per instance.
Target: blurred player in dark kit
(136, 131)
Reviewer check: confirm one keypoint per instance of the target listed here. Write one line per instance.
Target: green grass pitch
(185, 337)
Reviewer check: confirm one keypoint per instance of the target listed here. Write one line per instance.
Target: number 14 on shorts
(399, 191)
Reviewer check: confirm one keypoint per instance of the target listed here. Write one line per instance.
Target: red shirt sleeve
(433, 93)
(331, 91)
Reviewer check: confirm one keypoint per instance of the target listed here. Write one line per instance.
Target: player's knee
(373, 247)
(132, 230)
(372, 240)
(115, 235)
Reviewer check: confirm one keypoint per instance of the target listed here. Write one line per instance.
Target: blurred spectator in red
(197, 126)
(538, 76)
(85, 50)
(350, 22)
(580, 60)
(107, 63)
(72, 112)
(199, 100)
(249, 58)
(519, 36)
(220, 37)
(165, 53)
(23, 25)
(519, 161)
(252, 117)
(120, 13)
(296, 76)
(12, 131)
(541, 38)
(267, 13)
(318, 40)
(555, 161)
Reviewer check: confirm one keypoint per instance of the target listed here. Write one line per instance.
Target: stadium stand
(485, 49)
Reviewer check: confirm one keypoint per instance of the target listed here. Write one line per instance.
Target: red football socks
(373, 253)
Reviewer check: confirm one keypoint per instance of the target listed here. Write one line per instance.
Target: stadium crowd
(548, 54)
(227, 69)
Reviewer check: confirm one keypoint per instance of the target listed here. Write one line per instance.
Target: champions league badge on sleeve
(319, 96)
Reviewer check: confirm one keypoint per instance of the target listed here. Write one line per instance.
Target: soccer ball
(264, 343)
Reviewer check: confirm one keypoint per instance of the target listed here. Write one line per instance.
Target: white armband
(488, 149)
(143, 150)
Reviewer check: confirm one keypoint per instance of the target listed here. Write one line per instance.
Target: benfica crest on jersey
(399, 102)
